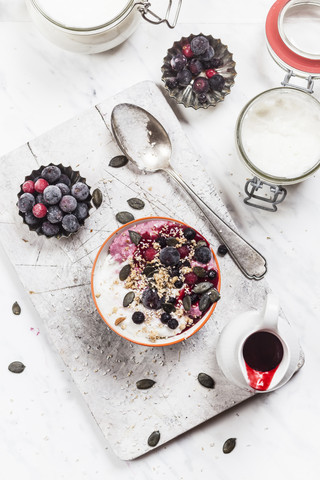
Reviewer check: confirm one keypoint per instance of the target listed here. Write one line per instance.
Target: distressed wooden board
(56, 273)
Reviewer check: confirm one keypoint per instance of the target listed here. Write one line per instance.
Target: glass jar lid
(293, 33)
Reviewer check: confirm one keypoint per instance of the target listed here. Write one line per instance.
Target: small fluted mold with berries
(205, 74)
(50, 194)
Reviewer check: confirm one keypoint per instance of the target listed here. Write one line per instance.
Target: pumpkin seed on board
(136, 203)
(16, 309)
(16, 367)
(124, 217)
(135, 237)
(145, 383)
(118, 161)
(124, 272)
(186, 302)
(97, 197)
(202, 287)
(205, 380)
(128, 298)
(154, 438)
(229, 445)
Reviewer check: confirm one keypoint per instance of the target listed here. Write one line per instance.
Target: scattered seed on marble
(118, 161)
(186, 302)
(16, 309)
(199, 271)
(136, 203)
(145, 383)
(124, 217)
(97, 197)
(229, 445)
(129, 297)
(16, 367)
(205, 380)
(124, 272)
(154, 438)
(222, 250)
(135, 237)
(202, 287)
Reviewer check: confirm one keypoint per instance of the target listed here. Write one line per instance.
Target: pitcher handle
(270, 313)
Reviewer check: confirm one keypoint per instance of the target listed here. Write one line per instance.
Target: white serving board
(56, 273)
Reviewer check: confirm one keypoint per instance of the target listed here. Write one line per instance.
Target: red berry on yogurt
(28, 186)
(39, 210)
(184, 251)
(149, 254)
(187, 52)
(40, 185)
(210, 72)
(190, 278)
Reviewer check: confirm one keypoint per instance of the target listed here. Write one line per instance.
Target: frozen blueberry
(26, 202)
(150, 299)
(173, 323)
(169, 256)
(80, 191)
(217, 82)
(49, 229)
(178, 62)
(211, 274)
(222, 250)
(165, 317)
(184, 77)
(81, 212)
(208, 54)
(51, 173)
(215, 63)
(52, 195)
(203, 254)
(171, 83)
(186, 263)
(202, 97)
(68, 204)
(30, 219)
(189, 233)
(195, 66)
(64, 179)
(199, 44)
(178, 283)
(200, 85)
(70, 223)
(162, 241)
(138, 317)
(64, 188)
(54, 214)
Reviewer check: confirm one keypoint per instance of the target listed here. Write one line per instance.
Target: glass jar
(93, 26)
(277, 132)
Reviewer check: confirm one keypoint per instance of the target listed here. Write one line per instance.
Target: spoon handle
(252, 264)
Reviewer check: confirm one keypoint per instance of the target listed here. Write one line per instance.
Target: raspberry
(40, 185)
(149, 254)
(39, 210)
(210, 72)
(187, 52)
(184, 251)
(190, 278)
(28, 186)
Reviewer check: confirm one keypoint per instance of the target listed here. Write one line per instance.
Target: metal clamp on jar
(93, 26)
(277, 132)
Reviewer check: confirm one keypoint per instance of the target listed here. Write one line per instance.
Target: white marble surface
(46, 430)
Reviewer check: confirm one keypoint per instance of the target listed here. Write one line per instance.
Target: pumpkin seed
(16, 309)
(16, 367)
(136, 203)
(201, 243)
(205, 380)
(214, 295)
(97, 197)
(118, 161)
(202, 287)
(145, 383)
(124, 272)
(229, 445)
(135, 237)
(149, 269)
(204, 302)
(124, 217)
(154, 438)
(172, 241)
(150, 274)
(128, 298)
(186, 302)
(169, 307)
(199, 271)
(119, 320)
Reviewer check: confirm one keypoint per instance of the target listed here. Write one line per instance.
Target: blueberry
(178, 283)
(222, 250)
(173, 323)
(211, 274)
(81, 212)
(30, 219)
(194, 298)
(138, 317)
(171, 83)
(189, 233)
(174, 272)
(26, 202)
(195, 66)
(51, 173)
(162, 241)
(50, 229)
(215, 63)
(64, 179)
(165, 317)
(217, 82)
(208, 54)
(52, 195)
(199, 44)
(186, 263)
(70, 223)
(200, 85)
(202, 97)
(68, 203)
(80, 191)
(178, 62)
(169, 256)
(203, 254)
(184, 77)
(150, 299)
(54, 214)
(64, 188)
(171, 300)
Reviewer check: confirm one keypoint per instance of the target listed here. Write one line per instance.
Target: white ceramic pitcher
(230, 348)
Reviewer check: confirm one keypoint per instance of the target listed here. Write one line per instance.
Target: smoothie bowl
(155, 281)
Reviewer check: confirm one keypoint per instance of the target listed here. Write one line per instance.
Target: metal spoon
(146, 143)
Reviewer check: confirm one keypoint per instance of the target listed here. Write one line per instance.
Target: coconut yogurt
(143, 278)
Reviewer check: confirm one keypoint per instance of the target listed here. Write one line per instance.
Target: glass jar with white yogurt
(93, 26)
(277, 132)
